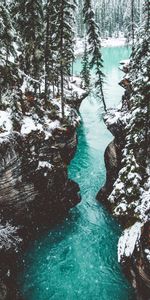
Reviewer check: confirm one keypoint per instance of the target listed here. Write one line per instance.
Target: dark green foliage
(50, 51)
(131, 190)
(8, 74)
(64, 42)
(85, 73)
(95, 48)
(29, 23)
(147, 14)
(44, 44)
(7, 34)
(112, 17)
(65, 34)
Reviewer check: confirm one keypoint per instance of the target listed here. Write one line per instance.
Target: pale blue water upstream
(78, 258)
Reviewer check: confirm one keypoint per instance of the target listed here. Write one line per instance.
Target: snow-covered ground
(128, 240)
(5, 122)
(30, 121)
(9, 238)
(33, 124)
(114, 42)
(130, 198)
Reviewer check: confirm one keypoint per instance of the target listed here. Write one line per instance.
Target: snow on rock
(143, 208)
(30, 124)
(112, 117)
(115, 117)
(53, 125)
(44, 164)
(76, 86)
(41, 119)
(124, 65)
(70, 113)
(28, 82)
(8, 237)
(5, 123)
(147, 252)
(121, 208)
(75, 91)
(125, 62)
(129, 240)
(49, 126)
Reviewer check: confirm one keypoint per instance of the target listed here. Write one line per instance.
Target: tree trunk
(61, 58)
(46, 50)
(147, 130)
(103, 99)
(132, 23)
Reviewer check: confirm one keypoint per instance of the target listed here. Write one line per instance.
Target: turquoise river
(78, 258)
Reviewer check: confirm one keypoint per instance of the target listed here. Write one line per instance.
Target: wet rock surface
(112, 168)
(34, 178)
(35, 191)
(137, 266)
(126, 192)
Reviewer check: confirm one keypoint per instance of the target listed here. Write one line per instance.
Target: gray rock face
(112, 156)
(136, 267)
(35, 190)
(34, 182)
(36, 146)
(111, 162)
(3, 291)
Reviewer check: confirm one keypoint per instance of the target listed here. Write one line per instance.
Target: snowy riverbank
(110, 42)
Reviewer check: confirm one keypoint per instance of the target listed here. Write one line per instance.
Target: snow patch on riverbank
(5, 122)
(110, 42)
(114, 42)
(128, 240)
(9, 238)
(30, 120)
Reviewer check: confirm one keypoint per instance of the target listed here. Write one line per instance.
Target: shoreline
(109, 42)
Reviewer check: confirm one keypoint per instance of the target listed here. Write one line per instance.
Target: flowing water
(78, 258)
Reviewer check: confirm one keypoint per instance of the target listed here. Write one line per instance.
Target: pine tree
(7, 50)
(147, 75)
(50, 48)
(132, 23)
(113, 17)
(95, 48)
(147, 14)
(79, 19)
(64, 40)
(7, 34)
(29, 22)
(85, 73)
(141, 51)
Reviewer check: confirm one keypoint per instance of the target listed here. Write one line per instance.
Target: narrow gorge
(126, 192)
(83, 247)
(74, 150)
(35, 149)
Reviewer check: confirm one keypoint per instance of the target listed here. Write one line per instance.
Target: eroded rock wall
(34, 183)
